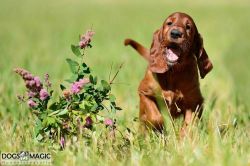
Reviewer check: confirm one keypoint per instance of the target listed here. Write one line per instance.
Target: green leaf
(94, 107)
(86, 105)
(113, 109)
(105, 85)
(118, 108)
(62, 87)
(73, 65)
(76, 50)
(86, 71)
(54, 112)
(53, 106)
(51, 121)
(111, 98)
(82, 105)
(72, 79)
(84, 65)
(51, 92)
(38, 123)
(93, 80)
(63, 112)
(100, 118)
(89, 45)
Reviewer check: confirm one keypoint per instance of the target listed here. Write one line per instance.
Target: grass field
(36, 35)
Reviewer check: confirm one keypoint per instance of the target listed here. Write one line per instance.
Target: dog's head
(175, 42)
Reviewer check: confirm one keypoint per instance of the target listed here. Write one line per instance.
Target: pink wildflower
(88, 122)
(31, 103)
(86, 39)
(31, 94)
(108, 122)
(62, 142)
(43, 94)
(33, 84)
(37, 81)
(28, 76)
(77, 86)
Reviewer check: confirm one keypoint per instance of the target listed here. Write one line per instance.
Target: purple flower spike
(77, 86)
(86, 39)
(28, 76)
(62, 142)
(83, 81)
(31, 94)
(33, 84)
(37, 81)
(108, 122)
(31, 103)
(43, 94)
(88, 122)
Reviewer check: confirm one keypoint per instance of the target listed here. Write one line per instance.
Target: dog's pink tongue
(171, 55)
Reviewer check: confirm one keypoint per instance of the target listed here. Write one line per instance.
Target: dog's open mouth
(172, 55)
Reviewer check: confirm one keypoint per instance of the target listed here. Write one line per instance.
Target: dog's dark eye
(169, 23)
(188, 27)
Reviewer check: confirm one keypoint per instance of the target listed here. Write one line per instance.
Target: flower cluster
(86, 39)
(77, 86)
(32, 83)
(43, 94)
(34, 87)
(78, 111)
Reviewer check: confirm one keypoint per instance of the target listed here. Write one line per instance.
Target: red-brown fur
(177, 84)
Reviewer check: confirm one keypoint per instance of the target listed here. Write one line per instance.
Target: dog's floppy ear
(157, 62)
(203, 61)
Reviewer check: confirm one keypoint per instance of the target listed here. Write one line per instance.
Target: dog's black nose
(175, 34)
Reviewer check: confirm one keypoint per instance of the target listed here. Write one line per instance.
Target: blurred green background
(36, 35)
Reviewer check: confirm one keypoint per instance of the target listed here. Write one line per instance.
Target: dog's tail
(144, 52)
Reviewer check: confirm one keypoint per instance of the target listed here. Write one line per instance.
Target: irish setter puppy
(175, 56)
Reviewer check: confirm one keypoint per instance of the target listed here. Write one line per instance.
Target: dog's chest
(174, 89)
